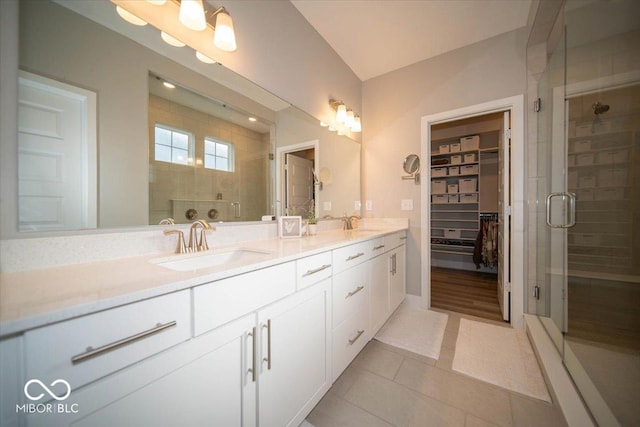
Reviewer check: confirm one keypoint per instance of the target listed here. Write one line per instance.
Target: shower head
(599, 108)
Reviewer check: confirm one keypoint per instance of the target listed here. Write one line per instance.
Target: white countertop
(30, 299)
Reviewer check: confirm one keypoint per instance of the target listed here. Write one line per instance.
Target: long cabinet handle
(352, 257)
(353, 340)
(394, 264)
(317, 270)
(375, 248)
(352, 293)
(253, 369)
(268, 358)
(95, 352)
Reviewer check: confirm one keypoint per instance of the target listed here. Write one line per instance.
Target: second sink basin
(190, 262)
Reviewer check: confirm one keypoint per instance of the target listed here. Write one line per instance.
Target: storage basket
(469, 143)
(454, 170)
(453, 198)
(468, 185)
(438, 172)
(439, 199)
(452, 233)
(443, 149)
(468, 198)
(452, 188)
(456, 160)
(454, 148)
(438, 187)
(469, 170)
(470, 158)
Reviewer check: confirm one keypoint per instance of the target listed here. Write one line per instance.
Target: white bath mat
(415, 329)
(501, 356)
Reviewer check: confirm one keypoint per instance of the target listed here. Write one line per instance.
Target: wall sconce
(190, 14)
(345, 119)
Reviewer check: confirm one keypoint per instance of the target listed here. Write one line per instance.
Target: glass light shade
(348, 122)
(341, 114)
(324, 124)
(204, 58)
(168, 39)
(341, 130)
(192, 15)
(130, 17)
(157, 2)
(224, 37)
(169, 85)
(357, 125)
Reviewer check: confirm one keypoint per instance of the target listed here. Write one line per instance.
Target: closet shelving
(455, 212)
(599, 173)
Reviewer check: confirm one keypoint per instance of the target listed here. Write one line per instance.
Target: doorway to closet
(467, 195)
(493, 136)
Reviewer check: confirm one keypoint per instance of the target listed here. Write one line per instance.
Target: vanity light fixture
(157, 2)
(324, 124)
(192, 15)
(170, 40)
(253, 119)
(130, 17)
(346, 119)
(224, 36)
(169, 85)
(204, 58)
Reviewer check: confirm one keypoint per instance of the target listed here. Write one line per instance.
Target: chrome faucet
(167, 221)
(195, 244)
(348, 221)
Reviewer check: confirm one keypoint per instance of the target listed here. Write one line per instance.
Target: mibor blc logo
(35, 390)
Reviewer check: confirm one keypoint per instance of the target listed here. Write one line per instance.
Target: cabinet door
(397, 277)
(379, 274)
(295, 371)
(214, 387)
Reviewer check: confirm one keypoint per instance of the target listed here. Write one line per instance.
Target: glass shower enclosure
(583, 64)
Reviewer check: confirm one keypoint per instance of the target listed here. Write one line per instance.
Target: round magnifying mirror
(411, 164)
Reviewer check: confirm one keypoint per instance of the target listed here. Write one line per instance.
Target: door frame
(515, 105)
(280, 163)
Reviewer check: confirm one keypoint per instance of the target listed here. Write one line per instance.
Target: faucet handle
(202, 245)
(181, 247)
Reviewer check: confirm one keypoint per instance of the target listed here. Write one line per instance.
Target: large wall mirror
(158, 133)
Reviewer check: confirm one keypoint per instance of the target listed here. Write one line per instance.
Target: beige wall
(393, 105)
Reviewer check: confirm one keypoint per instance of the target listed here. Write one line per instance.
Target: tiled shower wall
(175, 188)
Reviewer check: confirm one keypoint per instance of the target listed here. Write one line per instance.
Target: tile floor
(388, 386)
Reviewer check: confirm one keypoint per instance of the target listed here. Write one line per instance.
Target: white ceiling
(375, 37)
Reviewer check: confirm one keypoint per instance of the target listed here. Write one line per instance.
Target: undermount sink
(191, 262)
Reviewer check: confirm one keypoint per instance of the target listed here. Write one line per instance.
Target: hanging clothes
(486, 248)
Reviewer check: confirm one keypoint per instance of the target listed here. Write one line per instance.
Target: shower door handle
(572, 209)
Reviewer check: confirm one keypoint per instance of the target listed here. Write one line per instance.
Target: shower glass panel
(588, 171)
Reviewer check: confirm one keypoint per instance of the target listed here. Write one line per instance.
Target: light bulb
(169, 85)
(192, 15)
(157, 2)
(171, 40)
(224, 37)
(357, 124)
(130, 17)
(348, 122)
(341, 114)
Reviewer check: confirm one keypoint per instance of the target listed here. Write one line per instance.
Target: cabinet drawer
(350, 292)
(313, 269)
(349, 339)
(394, 240)
(219, 302)
(378, 246)
(351, 255)
(118, 337)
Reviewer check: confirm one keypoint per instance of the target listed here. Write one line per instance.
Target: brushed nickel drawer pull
(352, 293)
(95, 352)
(317, 270)
(375, 248)
(268, 358)
(253, 369)
(352, 341)
(352, 257)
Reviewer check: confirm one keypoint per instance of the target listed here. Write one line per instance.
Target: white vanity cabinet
(388, 284)
(203, 382)
(294, 357)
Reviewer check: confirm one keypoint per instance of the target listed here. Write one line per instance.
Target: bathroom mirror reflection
(71, 46)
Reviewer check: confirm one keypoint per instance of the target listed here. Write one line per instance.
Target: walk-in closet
(468, 168)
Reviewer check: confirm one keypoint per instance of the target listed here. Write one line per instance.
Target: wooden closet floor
(467, 292)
